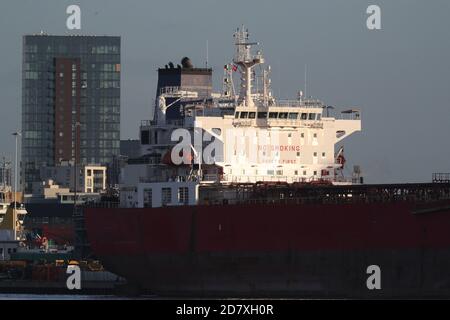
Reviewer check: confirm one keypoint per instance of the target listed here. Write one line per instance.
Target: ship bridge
(248, 137)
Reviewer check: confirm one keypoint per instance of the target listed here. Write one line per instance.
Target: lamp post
(17, 134)
(75, 175)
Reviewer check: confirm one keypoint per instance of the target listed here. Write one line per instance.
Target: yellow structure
(11, 221)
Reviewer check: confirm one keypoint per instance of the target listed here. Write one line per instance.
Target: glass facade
(65, 80)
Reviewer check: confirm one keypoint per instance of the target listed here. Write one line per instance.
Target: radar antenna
(245, 61)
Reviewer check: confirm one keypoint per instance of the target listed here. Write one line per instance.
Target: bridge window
(319, 116)
(293, 115)
(304, 116)
(262, 115)
(273, 115)
(311, 116)
(251, 115)
(283, 115)
(147, 198)
(166, 196)
(236, 115)
(183, 195)
(244, 115)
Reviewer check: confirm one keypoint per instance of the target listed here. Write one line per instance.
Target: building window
(323, 154)
(145, 137)
(296, 172)
(166, 194)
(183, 195)
(304, 172)
(302, 135)
(315, 135)
(315, 173)
(315, 154)
(298, 154)
(279, 172)
(147, 198)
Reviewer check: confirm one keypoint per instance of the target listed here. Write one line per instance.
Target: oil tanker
(242, 194)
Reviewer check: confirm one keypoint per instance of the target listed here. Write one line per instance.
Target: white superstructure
(248, 138)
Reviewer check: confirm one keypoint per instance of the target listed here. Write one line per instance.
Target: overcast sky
(398, 76)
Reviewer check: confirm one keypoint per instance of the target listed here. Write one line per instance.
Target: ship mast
(245, 61)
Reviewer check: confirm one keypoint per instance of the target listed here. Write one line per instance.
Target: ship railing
(168, 123)
(210, 178)
(287, 179)
(148, 123)
(441, 177)
(341, 195)
(103, 204)
(169, 90)
(298, 103)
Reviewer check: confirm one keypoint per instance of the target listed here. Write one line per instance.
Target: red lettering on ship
(281, 148)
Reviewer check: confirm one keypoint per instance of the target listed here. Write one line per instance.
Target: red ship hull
(277, 249)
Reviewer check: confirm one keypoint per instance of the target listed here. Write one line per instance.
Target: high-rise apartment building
(70, 101)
